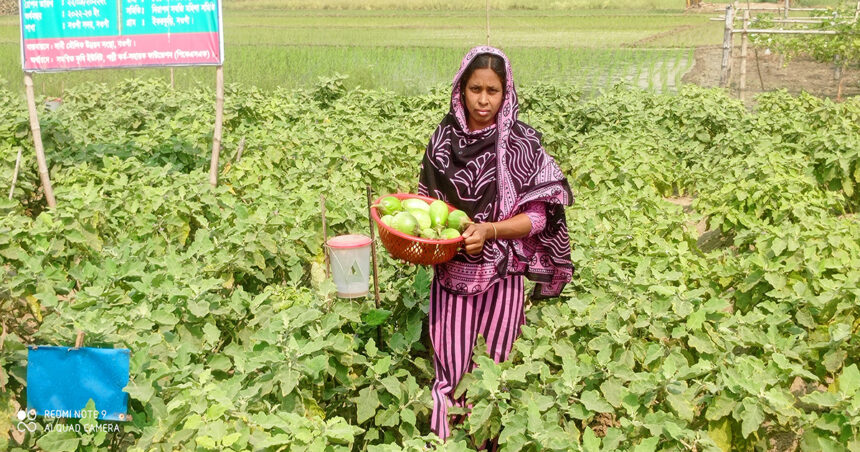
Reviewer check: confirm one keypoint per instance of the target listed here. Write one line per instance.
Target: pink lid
(348, 241)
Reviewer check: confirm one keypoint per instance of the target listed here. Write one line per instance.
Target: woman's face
(483, 98)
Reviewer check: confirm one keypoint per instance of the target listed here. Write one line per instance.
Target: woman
(484, 161)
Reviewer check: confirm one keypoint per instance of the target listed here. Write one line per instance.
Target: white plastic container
(350, 264)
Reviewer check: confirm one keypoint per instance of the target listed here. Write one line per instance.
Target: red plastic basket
(416, 250)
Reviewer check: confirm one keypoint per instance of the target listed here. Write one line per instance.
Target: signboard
(61, 380)
(60, 35)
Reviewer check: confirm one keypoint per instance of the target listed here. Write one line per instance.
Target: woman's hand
(475, 235)
(513, 228)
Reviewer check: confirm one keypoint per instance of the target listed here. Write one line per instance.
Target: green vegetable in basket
(387, 219)
(438, 213)
(414, 204)
(449, 233)
(458, 220)
(422, 217)
(405, 223)
(388, 205)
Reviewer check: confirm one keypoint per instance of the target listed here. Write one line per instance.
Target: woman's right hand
(475, 235)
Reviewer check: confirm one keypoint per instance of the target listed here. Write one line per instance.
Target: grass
(409, 50)
(454, 4)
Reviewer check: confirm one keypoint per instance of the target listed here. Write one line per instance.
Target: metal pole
(725, 66)
(44, 176)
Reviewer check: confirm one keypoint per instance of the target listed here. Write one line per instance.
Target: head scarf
(492, 174)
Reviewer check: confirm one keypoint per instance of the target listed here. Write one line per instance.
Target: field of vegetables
(742, 338)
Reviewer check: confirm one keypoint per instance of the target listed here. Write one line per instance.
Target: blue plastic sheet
(61, 380)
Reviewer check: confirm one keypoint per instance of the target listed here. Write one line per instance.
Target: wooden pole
(763, 31)
(373, 249)
(758, 69)
(172, 85)
(743, 76)
(15, 173)
(239, 151)
(219, 122)
(44, 176)
(79, 341)
(373, 258)
(725, 66)
(785, 11)
(488, 22)
(325, 238)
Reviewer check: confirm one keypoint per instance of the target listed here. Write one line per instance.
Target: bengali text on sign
(92, 34)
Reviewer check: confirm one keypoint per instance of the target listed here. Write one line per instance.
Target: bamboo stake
(44, 176)
(172, 85)
(758, 68)
(15, 173)
(219, 122)
(325, 238)
(79, 341)
(373, 249)
(743, 76)
(239, 151)
(725, 66)
(786, 32)
(787, 8)
(375, 268)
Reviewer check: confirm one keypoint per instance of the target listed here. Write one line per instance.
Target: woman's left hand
(475, 235)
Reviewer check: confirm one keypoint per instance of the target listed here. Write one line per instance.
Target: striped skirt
(455, 321)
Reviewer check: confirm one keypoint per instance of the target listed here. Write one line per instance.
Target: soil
(797, 75)
(8, 7)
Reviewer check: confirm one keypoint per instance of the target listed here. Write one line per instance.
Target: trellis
(730, 30)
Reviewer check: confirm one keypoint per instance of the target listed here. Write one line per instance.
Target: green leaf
(229, 439)
(752, 417)
(777, 246)
(647, 444)
(592, 401)
(721, 433)
(59, 441)
(206, 442)
(368, 401)
(382, 365)
(613, 391)
(590, 441)
(682, 406)
(376, 317)
(141, 392)
(849, 381)
(408, 416)
(720, 407)
(822, 399)
(338, 429)
(392, 385)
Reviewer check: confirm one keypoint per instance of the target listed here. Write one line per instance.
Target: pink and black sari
(492, 174)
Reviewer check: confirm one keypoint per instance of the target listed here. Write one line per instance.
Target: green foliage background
(659, 343)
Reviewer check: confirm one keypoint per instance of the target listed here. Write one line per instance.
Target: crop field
(410, 51)
(714, 307)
